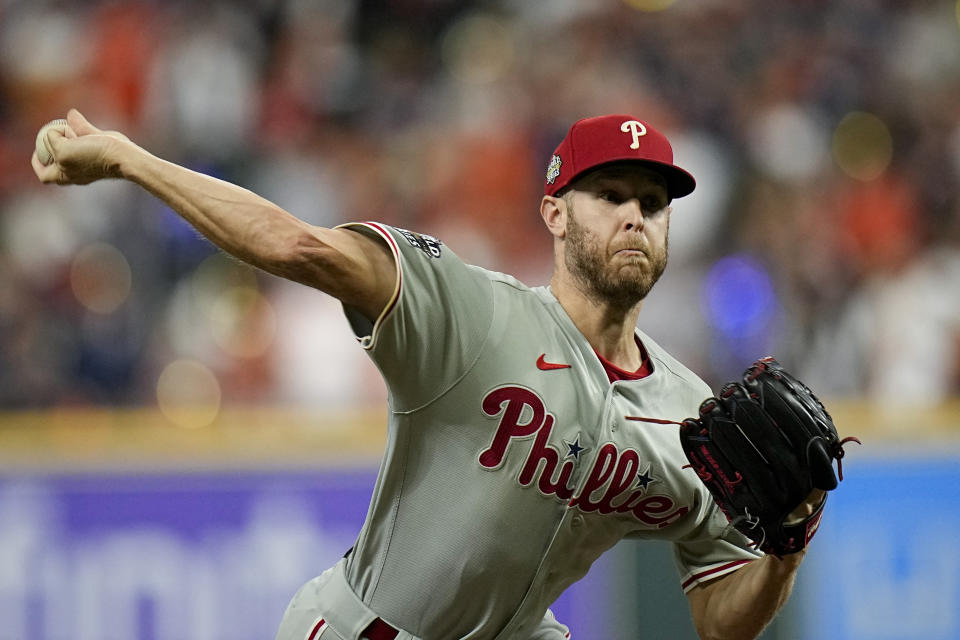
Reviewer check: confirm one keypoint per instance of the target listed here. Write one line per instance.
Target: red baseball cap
(593, 142)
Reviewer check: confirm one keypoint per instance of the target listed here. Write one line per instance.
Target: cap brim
(679, 182)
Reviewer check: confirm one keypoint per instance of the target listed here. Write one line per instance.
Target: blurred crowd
(825, 138)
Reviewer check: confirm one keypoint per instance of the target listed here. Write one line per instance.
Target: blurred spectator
(825, 138)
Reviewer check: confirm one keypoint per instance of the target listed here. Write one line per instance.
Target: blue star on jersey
(574, 448)
(644, 478)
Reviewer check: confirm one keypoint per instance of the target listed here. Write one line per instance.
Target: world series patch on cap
(594, 142)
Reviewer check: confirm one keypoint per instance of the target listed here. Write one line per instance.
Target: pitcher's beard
(621, 286)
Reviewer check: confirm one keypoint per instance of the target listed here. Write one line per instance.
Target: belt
(376, 630)
(379, 630)
(345, 612)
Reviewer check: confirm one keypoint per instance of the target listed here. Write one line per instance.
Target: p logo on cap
(637, 129)
(593, 142)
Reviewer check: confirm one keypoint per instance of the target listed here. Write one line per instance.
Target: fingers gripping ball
(44, 153)
(761, 448)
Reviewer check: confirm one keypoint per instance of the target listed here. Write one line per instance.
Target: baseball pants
(311, 612)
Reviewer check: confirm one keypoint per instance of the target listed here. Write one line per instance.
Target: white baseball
(44, 154)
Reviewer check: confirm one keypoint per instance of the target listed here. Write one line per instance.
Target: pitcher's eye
(652, 205)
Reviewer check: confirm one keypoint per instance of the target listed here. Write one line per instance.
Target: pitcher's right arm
(354, 268)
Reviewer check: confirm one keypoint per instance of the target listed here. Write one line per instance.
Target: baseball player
(530, 428)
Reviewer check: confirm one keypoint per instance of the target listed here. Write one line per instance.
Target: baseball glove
(761, 448)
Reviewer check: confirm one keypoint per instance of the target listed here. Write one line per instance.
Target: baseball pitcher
(530, 428)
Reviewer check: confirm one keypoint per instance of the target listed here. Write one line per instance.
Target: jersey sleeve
(712, 550)
(434, 327)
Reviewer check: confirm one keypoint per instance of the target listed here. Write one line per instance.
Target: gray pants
(327, 598)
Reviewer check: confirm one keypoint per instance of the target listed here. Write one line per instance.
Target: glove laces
(838, 452)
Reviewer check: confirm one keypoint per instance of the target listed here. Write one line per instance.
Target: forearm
(740, 605)
(359, 271)
(235, 219)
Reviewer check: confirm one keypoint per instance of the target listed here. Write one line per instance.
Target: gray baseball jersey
(512, 462)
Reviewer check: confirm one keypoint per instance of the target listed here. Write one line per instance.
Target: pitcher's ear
(553, 210)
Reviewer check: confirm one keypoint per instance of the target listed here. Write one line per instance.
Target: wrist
(123, 160)
(788, 562)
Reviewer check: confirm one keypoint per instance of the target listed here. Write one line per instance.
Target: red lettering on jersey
(651, 508)
(541, 450)
(623, 478)
(607, 488)
(603, 467)
(510, 401)
(619, 470)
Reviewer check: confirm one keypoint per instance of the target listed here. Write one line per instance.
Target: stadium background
(184, 440)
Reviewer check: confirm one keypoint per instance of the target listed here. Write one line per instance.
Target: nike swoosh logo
(543, 365)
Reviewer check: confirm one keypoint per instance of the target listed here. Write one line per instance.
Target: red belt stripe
(377, 630)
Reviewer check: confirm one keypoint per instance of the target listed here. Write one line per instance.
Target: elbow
(303, 255)
(286, 250)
